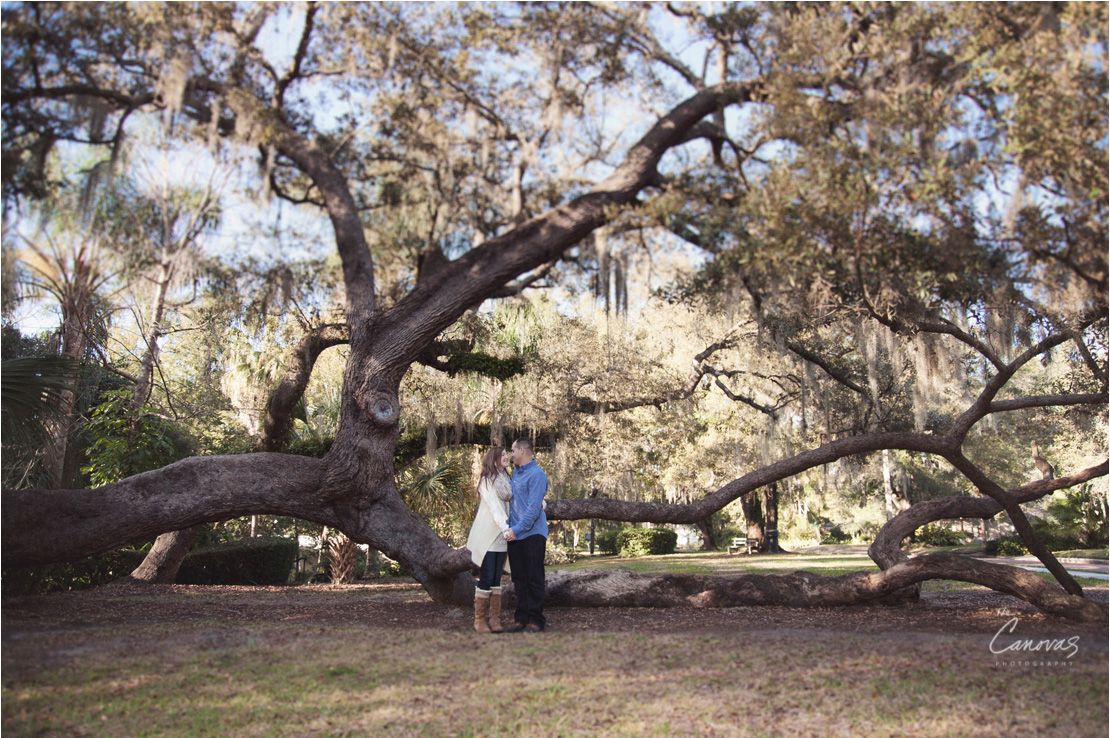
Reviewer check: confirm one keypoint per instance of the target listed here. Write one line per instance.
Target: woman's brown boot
(481, 610)
(495, 610)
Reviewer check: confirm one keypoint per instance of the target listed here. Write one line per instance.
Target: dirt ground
(391, 604)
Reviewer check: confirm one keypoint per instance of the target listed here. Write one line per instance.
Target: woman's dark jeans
(489, 575)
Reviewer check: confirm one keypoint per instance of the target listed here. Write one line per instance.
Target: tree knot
(382, 408)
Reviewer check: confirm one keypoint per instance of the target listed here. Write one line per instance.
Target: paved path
(1091, 568)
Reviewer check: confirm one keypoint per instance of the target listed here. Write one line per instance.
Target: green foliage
(633, 542)
(30, 392)
(477, 362)
(1079, 516)
(32, 407)
(260, 561)
(1006, 546)
(69, 576)
(443, 497)
(255, 561)
(607, 541)
(122, 443)
(313, 446)
(835, 535)
(391, 568)
(517, 328)
(938, 535)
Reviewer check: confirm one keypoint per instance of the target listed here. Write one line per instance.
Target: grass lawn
(381, 660)
(363, 682)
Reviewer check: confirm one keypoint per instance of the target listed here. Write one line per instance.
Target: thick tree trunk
(771, 518)
(753, 518)
(709, 539)
(164, 559)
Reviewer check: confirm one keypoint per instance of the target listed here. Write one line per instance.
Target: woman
(487, 546)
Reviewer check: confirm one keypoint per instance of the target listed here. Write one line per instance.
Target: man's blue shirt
(526, 515)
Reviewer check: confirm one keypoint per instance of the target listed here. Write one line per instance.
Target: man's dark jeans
(526, 561)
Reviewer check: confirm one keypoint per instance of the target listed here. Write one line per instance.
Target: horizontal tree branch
(657, 512)
(70, 524)
(1024, 403)
(622, 588)
(886, 549)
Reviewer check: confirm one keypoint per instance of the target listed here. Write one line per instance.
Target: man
(527, 537)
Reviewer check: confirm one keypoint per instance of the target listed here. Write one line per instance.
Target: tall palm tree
(67, 263)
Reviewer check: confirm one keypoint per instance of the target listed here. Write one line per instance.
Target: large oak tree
(850, 186)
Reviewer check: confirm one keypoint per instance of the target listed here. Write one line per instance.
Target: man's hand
(508, 534)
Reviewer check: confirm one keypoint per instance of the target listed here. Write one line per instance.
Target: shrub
(835, 535)
(607, 541)
(1078, 519)
(390, 568)
(69, 576)
(646, 541)
(938, 535)
(1006, 546)
(557, 554)
(1055, 536)
(259, 561)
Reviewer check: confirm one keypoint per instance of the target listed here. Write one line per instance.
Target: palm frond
(30, 395)
(443, 490)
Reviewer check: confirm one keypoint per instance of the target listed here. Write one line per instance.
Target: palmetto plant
(1081, 514)
(343, 553)
(32, 406)
(444, 496)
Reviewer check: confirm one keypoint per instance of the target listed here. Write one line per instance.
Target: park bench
(742, 543)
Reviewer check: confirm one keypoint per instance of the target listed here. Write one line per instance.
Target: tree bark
(164, 559)
(771, 517)
(283, 401)
(753, 519)
(168, 552)
(709, 539)
(622, 588)
(886, 549)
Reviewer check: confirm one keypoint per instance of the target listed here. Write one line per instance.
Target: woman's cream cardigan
(492, 518)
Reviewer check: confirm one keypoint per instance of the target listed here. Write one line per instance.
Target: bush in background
(646, 541)
(834, 535)
(938, 535)
(70, 576)
(607, 541)
(1006, 546)
(257, 561)
(252, 561)
(557, 554)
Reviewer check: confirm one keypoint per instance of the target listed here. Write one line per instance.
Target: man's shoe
(515, 628)
(533, 628)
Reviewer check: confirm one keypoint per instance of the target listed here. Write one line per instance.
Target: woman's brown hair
(490, 466)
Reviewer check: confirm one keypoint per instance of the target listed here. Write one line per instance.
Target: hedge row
(629, 542)
(259, 561)
(262, 561)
